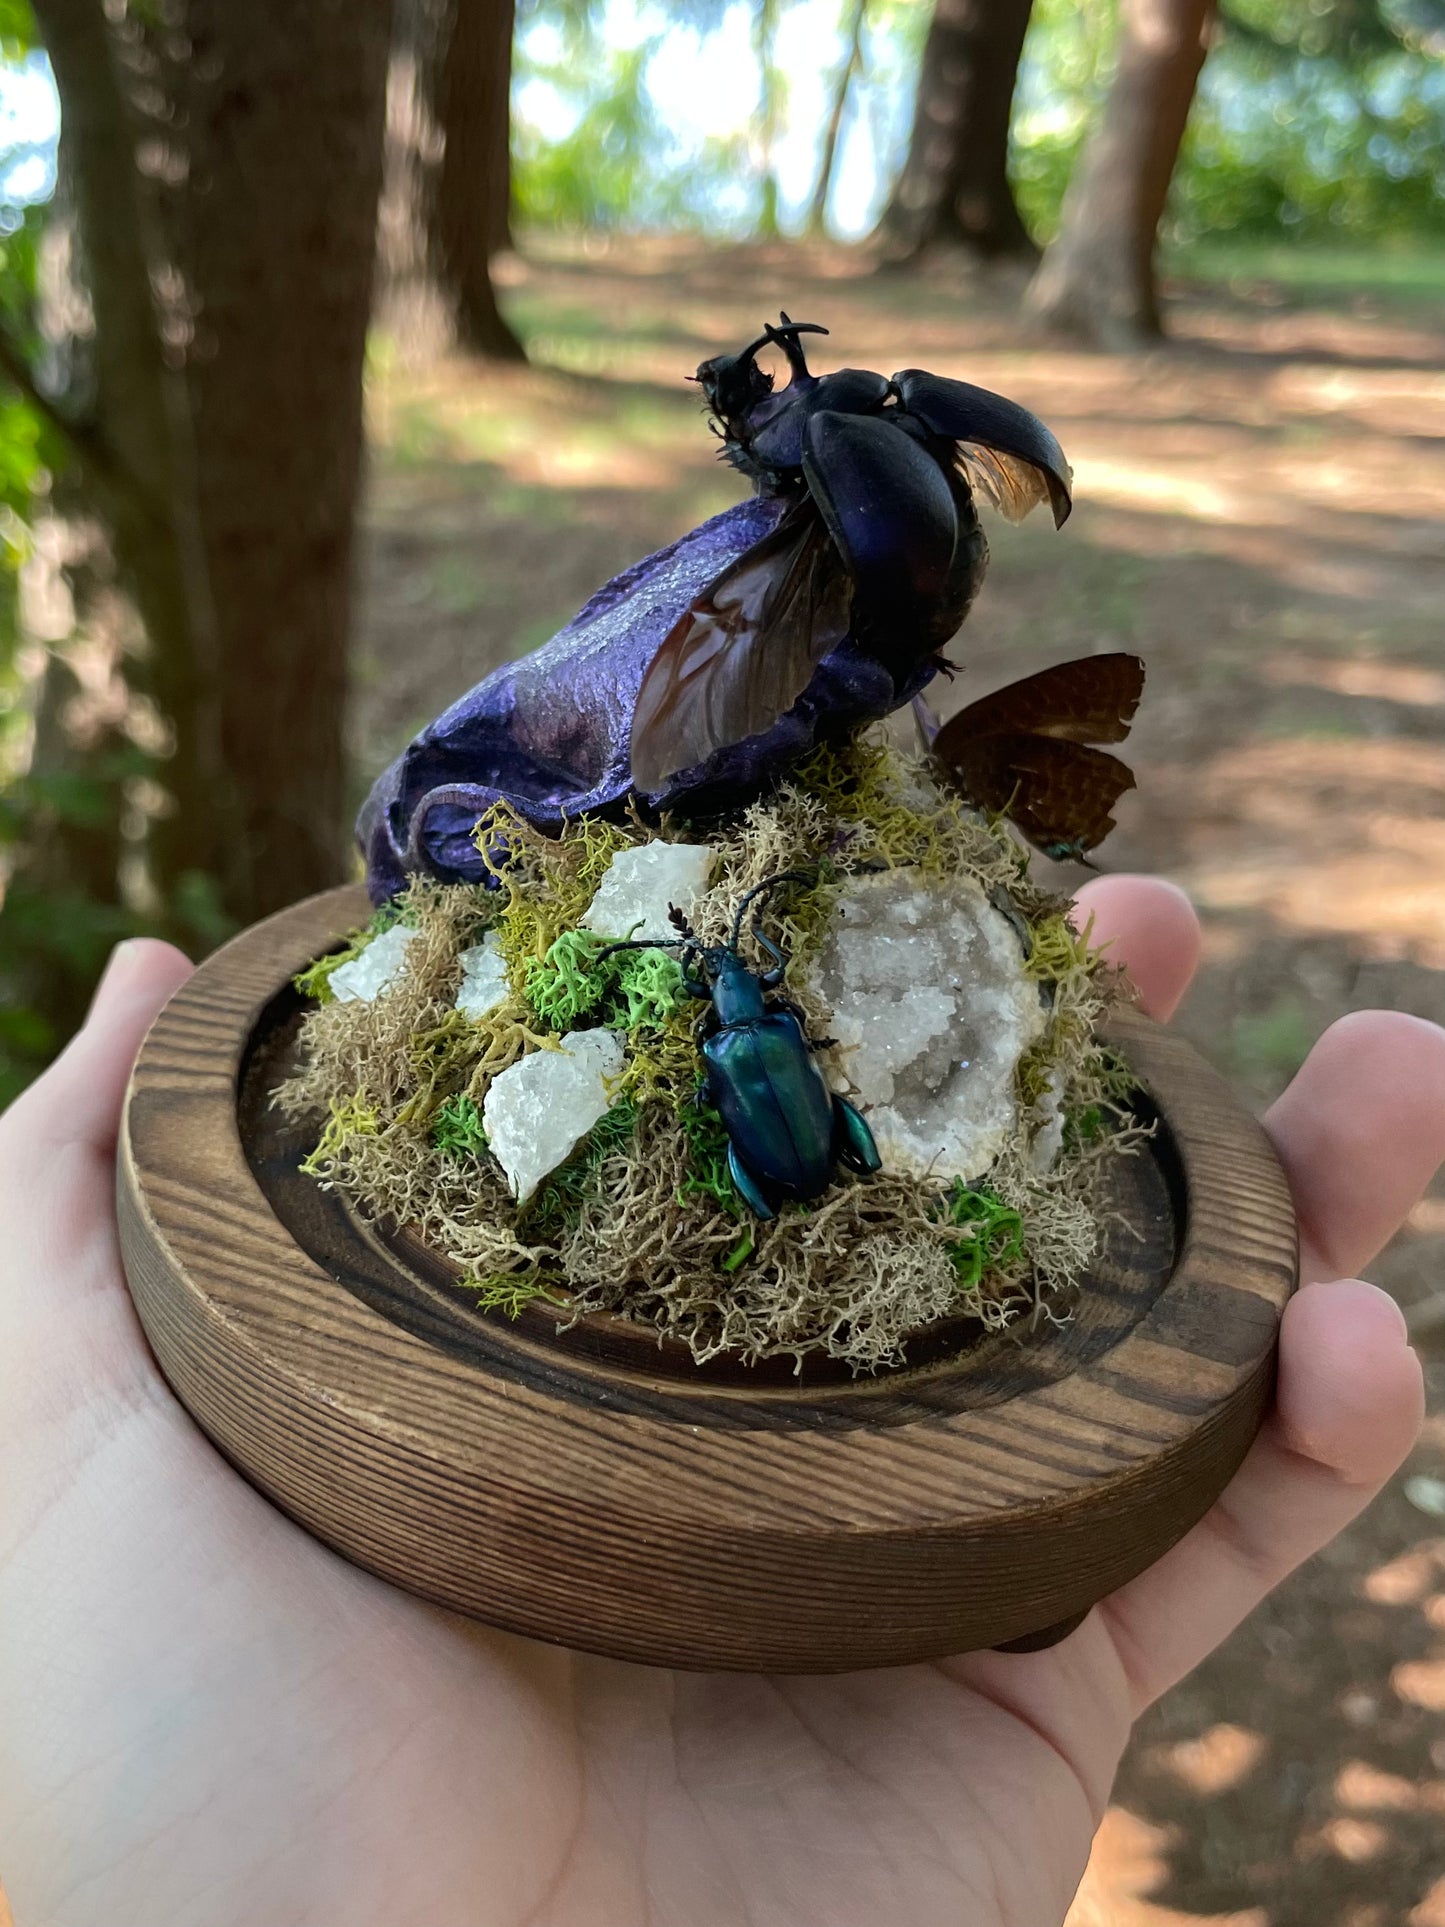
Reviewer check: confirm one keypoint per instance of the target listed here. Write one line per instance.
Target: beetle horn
(785, 336)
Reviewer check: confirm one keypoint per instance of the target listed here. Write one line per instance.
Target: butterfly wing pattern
(1028, 751)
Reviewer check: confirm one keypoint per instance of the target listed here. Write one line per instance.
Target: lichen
(643, 1219)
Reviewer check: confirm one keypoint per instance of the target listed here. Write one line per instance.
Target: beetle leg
(852, 1140)
(747, 1186)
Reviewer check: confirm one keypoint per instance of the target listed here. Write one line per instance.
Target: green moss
(567, 983)
(348, 1118)
(546, 883)
(998, 1229)
(707, 1153)
(1057, 950)
(511, 1294)
(315, 981)
(556, 1204)
(457, 1128)
(650, 987)
(628, 990)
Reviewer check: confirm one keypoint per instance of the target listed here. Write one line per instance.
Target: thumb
(78, 1100)
(57, 1165)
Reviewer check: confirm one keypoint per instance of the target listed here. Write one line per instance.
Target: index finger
(1151, 928)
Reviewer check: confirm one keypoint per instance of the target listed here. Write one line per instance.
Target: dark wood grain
(594, 1490)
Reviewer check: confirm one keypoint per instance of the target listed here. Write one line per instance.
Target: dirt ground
(1260, 516)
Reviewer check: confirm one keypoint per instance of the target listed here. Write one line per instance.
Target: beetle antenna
(641, 943)
(762, 889)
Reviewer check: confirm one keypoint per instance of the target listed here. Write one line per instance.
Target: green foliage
(612, 168)
(1314, 118)
(998, 1233)
(457, 1128)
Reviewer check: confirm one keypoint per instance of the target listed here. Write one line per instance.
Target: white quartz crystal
(537, 1112)
(931, 1010)
(363, 979)
(640, 886)
(484, 977)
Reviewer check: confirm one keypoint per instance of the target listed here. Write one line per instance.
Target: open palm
(206, 1718)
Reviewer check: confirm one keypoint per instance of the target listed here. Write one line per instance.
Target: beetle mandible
(787, 1131)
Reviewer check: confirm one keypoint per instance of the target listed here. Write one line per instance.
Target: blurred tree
(224, 166)
(848, 72)
(770, 112)
(955, 186)
(1096, 281)
(447, 195)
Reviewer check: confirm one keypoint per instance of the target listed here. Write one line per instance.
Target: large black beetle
(697, 677)
(881, 543)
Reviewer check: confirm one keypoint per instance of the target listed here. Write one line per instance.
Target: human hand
(206, 1718)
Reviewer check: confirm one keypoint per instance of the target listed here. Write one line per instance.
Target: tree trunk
(1096, 282)
(228, 242)
(472, 207)
(139, 463)
(828, 158)
(284, 121)
(446, 199)
(954, 186)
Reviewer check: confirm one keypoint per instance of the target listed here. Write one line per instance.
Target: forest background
(341, 357)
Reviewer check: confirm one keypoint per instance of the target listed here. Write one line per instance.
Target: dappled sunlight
(1363, 1788)
(1129, 1863)
(1326, 836)
(1407, 1579)
(1221, 1757)
(1391, 682)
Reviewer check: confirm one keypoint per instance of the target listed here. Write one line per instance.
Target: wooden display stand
(599, 1490)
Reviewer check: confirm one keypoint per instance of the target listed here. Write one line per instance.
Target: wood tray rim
(268, 1346)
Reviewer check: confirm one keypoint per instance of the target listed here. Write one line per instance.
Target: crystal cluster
(931, 1011)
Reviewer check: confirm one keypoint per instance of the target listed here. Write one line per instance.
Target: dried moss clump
(643, 1220)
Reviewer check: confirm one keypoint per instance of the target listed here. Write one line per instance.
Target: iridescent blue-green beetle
(787, 1131)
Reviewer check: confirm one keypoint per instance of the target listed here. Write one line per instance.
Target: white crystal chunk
(377, 968)
(642, 884)
(537, 1112)
(484, 977)
(932, 1011)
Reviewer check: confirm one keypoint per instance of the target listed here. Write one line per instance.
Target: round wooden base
(594, 1489)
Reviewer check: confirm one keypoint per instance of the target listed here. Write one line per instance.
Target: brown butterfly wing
(1092, 700)
(1061, 795)
(743, 652)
